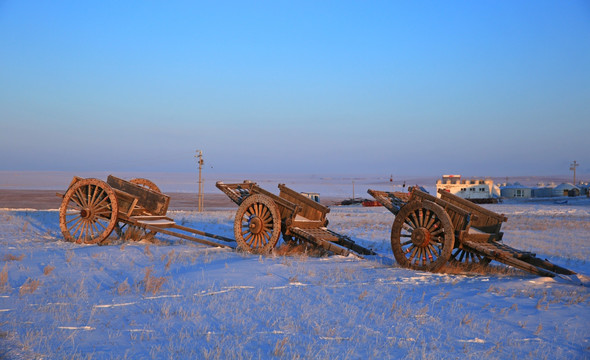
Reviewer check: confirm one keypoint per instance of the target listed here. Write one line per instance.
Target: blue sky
(480, 88)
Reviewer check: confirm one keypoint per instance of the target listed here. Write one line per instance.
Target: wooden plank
(236, 192)
(519, 259)
(393, 201)
(309, 208)
(199, 232)
(287, 209)
(484, 219)
(459, 216)
(153, 202)
(126, 202)
(163, 230)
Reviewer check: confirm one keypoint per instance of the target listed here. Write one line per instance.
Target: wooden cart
(91, 209)
(263, 216)
(428, 232)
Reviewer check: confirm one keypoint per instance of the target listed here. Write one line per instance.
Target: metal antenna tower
(573, 167)
(200, 161)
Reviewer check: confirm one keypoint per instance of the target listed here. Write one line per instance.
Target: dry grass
(10, 257)
(48, 269)
(123, 288)
(29, 286)
(4, 277)
(152, 284)
(303, 249)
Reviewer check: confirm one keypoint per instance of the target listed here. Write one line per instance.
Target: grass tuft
(10, 257)
(152, 284)
(29, 286)
(4, 277)
(48, 269)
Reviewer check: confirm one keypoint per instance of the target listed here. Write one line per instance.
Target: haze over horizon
(405, 88)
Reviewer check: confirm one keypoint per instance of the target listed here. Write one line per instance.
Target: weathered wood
(182, 236)
(309, 209)
(88, 212)
(300, 217)
(482, 218)
(476, 231)
(91, 209)
(236, 192)
(393, 201)
(198, 232)
(460, 217)
(153, 202)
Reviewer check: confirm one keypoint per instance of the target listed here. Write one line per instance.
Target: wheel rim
(146, 184)
(257, 226)
(88, 212)
(422, 236)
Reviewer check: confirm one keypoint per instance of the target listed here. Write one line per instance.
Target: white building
(473, 189)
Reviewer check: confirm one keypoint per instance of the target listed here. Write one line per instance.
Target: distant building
(473, 189)
(542, 191)
(312, 195)
(584, 188)
(566, 189)
(516, 190)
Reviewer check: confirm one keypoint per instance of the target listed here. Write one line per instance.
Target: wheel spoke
(80, 197)
(91, 229)
(248, 239)
(106, 198)
(257, 240)
(76, 202)
(82, 228)
(435, 250)
(75, 225)
(437, 232)
(431, 220)
(408, 222)
(104, 227)
(414, 251)
(264, 213)
(265, 237)
(103, 207)
(95, 227)
(92, 197)
(76, 217)
(414, 220)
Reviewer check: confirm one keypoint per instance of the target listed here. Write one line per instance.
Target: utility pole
(200, 161)
(573, 167)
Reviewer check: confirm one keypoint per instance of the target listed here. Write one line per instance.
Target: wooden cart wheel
(258, 224)
(146, 184)
(132, 232)
(422, 236)
(462, 256)
(88, 212)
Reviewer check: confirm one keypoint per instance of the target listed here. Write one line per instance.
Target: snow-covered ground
(181, 300)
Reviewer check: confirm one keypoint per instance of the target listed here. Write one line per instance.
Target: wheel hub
(85, 213)
(255, 225)
(421, 237)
